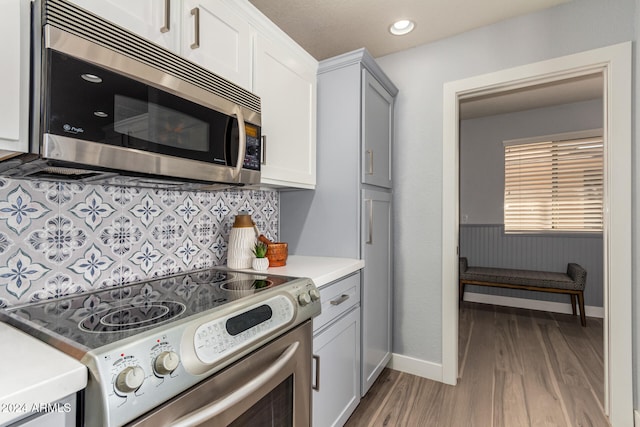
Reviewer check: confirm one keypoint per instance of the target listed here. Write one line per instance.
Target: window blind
(554, 186)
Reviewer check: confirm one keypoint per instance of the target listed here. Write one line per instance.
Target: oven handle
(242, 141)
(244, 392)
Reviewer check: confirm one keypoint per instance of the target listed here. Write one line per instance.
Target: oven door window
(273, 410)
(88, 102)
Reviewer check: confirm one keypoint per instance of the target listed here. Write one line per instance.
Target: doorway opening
(614, 64)
(524, 332)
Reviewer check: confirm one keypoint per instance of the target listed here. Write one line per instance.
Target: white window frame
(550, 226)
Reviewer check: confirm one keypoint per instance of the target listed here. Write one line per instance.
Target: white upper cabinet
(217, 38)
(286, 84)
(206, 32)
(155, 20)
(14, 76)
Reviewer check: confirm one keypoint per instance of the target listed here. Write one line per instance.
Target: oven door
(270, 387)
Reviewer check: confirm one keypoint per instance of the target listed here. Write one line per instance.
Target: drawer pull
(340, 300)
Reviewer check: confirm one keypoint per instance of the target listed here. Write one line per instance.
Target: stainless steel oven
(270, 387)
(212, 348)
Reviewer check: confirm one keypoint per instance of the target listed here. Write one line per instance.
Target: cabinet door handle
(264, 149)
(316, 386)
(196, 25)
(340, 300)
(370, 207)
(167, 17)
(370, 154)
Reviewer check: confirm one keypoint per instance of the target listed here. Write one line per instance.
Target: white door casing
(614, 63)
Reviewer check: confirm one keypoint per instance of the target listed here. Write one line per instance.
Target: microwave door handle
(215, 408)
(242, 142)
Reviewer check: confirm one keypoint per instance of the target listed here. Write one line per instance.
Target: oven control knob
(166, 362)
(130, 379)
(314, 294)
(304, 299)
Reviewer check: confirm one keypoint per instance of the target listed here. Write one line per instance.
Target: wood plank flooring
(516, 368)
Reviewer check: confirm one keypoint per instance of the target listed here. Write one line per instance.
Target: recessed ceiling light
(91, 78)
(402, 27)
(100, 114)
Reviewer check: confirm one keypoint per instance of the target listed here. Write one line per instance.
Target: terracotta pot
(277, 252)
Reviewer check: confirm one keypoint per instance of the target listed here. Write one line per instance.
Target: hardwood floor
(517, 368)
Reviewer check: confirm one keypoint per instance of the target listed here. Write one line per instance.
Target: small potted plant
(260, 263)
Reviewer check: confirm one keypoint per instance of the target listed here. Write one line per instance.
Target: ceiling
(326, 28)
(584, 88)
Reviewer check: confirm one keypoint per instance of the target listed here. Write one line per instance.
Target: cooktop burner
(94, 319)
(131, 316)
(243, 285)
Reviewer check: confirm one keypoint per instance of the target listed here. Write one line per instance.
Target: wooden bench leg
(461, 290)
(583, 317)
(573, 304)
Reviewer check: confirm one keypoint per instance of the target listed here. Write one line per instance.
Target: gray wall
(420, 74)
(482, 151)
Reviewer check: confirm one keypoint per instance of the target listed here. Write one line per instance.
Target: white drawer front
(337, 298)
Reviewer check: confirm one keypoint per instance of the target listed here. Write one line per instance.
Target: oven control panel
(136, 376)
(215, 340)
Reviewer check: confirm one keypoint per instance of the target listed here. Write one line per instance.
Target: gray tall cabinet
(349, 213)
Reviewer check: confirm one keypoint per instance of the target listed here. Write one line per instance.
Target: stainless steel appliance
(107, 102)
(212, 347)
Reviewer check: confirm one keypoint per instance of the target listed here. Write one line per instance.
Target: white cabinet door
(287, 87)
(377, 132)
(217, 38)
(14, 76)
(155, 20)
(337, 371)
(376, 286)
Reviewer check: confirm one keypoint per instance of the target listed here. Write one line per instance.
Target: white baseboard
(636, 418)
(413, 366)
(532, 304)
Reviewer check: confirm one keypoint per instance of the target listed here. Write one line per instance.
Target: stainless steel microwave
(109, 103)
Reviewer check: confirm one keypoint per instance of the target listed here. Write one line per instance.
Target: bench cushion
(541, 279)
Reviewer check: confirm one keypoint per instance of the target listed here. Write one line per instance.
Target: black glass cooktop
(94, 319)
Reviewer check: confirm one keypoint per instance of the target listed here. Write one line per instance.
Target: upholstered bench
(571, 283)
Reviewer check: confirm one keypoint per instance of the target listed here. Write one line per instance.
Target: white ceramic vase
(241, 242)
(260, 264)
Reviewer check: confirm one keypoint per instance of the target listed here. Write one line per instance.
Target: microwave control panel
(252, 157)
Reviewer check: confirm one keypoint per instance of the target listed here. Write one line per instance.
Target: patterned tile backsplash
(62, 238)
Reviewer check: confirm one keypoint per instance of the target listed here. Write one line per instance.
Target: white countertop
(322, 270)
(34, 373)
